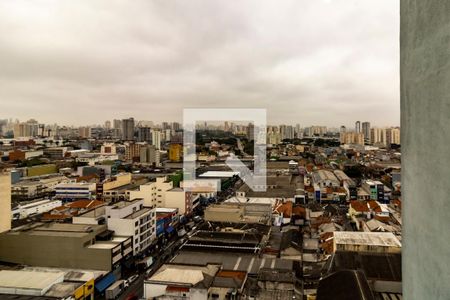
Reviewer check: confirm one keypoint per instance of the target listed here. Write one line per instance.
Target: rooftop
(219, 174)
(138, 213)
(185, 275)
(385, 239)
(232, 261)
(29, 279)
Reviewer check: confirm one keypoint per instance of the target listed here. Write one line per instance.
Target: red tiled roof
(359, 206)
(232, 274)
(299, 211)
(284, 208)
(374, 206)
(48, 216)
(85, 204)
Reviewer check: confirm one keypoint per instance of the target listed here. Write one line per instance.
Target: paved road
(135, 289)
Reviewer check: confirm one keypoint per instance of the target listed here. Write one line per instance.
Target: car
(132, 279)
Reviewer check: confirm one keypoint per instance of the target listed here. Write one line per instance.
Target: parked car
(132, 279)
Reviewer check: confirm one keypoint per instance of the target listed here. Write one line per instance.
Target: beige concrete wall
(5, 201)
(53, 251)
(425, 135)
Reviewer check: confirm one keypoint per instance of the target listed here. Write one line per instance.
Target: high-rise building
(317, 130)
(175, 152)
(358, 127)
(165, 126)
(176, 126)
(149, 155)
(128, 129)
(167, 135)
(395, 135)
(377, 136)
(5, 201)
(108, 124)
(29, 128)
(352, 138)
(289, 132)
(132, 151)
(144, 134)
(156, 138)
(366, 131)
(251, 131)
(298, 131)
(84, 132)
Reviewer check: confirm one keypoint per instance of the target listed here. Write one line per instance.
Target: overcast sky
(323, 62)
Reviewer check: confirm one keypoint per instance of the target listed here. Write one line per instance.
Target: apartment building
(153, 193)
(131, 218)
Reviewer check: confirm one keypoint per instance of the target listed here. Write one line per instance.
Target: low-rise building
(325, 178)
(61, 246)
(186, 202)
(35, 207)
(75, 190)
(381, 242)
(174, 281)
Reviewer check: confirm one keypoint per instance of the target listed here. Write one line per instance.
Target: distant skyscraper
(176, 126)
(352, 138)
(84, 132)
(117, 128)
(366, 131)
(156, 138)
(108, 124)
(358, 127)
(175, 152)
(395, 135)
(250, 131)
(144, 134)
(128, 129)
(165, 126)
(343, 129)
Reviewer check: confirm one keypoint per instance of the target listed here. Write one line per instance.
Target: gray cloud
(310, 62)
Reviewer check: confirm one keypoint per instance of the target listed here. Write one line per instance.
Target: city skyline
(144, 123)
(151, 60)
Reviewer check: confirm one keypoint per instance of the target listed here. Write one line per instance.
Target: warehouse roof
(40, 282)
(385, 239)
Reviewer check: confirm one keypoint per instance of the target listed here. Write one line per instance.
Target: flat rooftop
(138, 213)
(233, 261)
(218, 174)
(123, 204)
(33, 280)
(384, 239)
(57, 229)
(103, 245)
(94, 213)
(127, 187)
